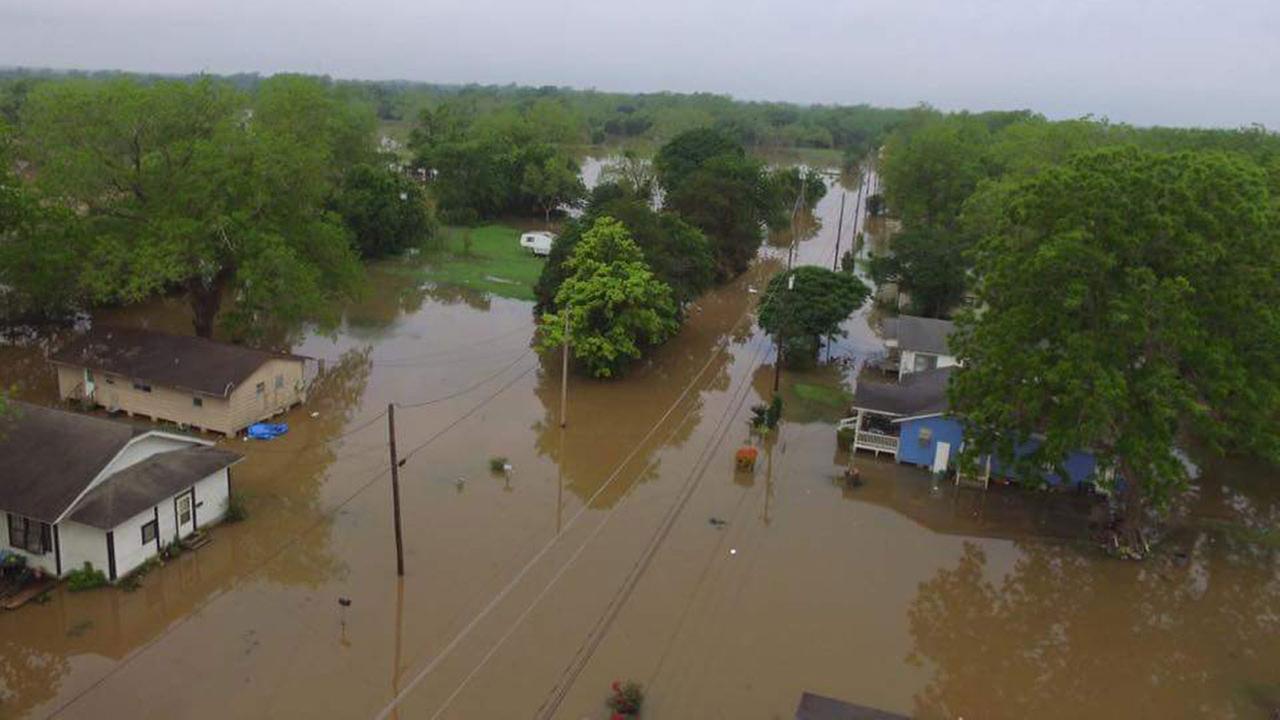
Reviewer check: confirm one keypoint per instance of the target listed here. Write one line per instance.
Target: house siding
(913, 451)
(222, 415)
(81, 544)
(1079, 464)
(247, 407)
(211, 496)
(907, 364)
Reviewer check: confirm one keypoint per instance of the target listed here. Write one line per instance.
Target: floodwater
(526, 595)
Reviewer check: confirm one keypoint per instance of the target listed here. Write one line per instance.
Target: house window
(31, 535)
(141, 387)
(149, 532)
(88, 376)
(925, 362)
(925, 436)
(262, 388)
(279, 381)
(197, 402)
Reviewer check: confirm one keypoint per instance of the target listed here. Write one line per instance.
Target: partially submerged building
(917, 344)
(911, 421)
(77, 490)
(189, 381)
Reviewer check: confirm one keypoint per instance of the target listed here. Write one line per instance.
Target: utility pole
(395, 485)
(782, 332)
(564, 373)
(835, 264)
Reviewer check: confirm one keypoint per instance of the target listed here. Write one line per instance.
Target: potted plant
(625, 700)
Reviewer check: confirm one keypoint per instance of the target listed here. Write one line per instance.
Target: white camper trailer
(538, 243)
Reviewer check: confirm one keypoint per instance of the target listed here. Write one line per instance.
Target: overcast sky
(1173, 62)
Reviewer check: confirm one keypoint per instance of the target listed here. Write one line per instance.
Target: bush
(86, 578)
(498, 464)
(236, 510)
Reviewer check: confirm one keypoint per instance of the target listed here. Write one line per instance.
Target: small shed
(186, 380)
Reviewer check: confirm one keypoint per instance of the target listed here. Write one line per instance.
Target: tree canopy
(614, 304)
(1124, 297)
(927, 264)
(199, 186)
(803, 305)
(386, 212)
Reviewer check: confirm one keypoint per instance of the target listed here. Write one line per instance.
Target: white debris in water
(752, 289)
(315, 414)
(506, 467)
(733, 551)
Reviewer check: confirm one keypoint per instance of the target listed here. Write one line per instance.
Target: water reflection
(1068, 633)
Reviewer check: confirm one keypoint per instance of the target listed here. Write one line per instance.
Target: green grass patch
(836, 398)
(486, 258)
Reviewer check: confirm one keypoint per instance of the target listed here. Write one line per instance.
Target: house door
(185, 513)
(941, 457)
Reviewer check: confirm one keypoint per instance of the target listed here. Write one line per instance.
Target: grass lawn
(820, 396)
(495, 263)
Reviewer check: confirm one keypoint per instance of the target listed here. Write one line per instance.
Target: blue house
(910, 420)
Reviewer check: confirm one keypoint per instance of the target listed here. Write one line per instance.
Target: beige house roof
(176, 361)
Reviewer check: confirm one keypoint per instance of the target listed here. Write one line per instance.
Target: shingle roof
(920, 334)
(920, 393)
(141, 486)
(176, 361)
(48, 457)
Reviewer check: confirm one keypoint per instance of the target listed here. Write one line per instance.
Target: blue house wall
(912, 450)
(915, 451)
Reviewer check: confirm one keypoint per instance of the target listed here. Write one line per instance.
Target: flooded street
(526, 594)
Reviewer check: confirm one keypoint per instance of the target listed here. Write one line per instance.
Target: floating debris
(717, 522)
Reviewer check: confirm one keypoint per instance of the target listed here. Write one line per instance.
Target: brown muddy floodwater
(595, 560)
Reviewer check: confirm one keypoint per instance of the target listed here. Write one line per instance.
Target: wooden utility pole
(835, 264)
(395, 485)
(564, 373)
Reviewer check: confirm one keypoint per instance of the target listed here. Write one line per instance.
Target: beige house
(186, 380)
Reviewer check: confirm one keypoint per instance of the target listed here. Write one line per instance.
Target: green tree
(552, 183)
(386, 212)
(678, 253)
(1125, 297)
(803, 305)
(708, 179)
(614, 304)
(929, 169)
(929, 266)
(189, 185)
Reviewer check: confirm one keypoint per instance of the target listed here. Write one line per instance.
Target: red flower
(617, 716)
(617, 686)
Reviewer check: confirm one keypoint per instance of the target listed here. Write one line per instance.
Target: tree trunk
(1128, 539)
(206, 301)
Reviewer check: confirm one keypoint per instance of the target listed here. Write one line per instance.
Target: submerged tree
(803, 305)
(191, 185)
(1125, 297)
(614, 304)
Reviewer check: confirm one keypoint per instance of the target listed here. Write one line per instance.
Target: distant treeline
(594, 117)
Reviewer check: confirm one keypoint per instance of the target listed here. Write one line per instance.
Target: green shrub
(86, 578)
(498, 464)
(236, 510)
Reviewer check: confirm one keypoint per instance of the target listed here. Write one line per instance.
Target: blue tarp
(266, 431)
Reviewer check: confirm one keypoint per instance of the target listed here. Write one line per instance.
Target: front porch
(872, 431)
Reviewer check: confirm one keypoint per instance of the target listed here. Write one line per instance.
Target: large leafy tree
(931, 167)
(929, 266)
(678, 253)
(707, 178)
(386, 212)
(803, 305)
(614, 305)
(197, 186)
(1123, 298)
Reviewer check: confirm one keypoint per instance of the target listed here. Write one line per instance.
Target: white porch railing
(876, 441)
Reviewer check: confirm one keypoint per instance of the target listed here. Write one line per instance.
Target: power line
(524, 570)
(469, 388)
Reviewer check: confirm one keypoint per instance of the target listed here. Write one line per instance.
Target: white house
(77, 489)
(919, 343)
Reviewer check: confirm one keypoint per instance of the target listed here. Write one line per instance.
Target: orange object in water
(746, 457)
